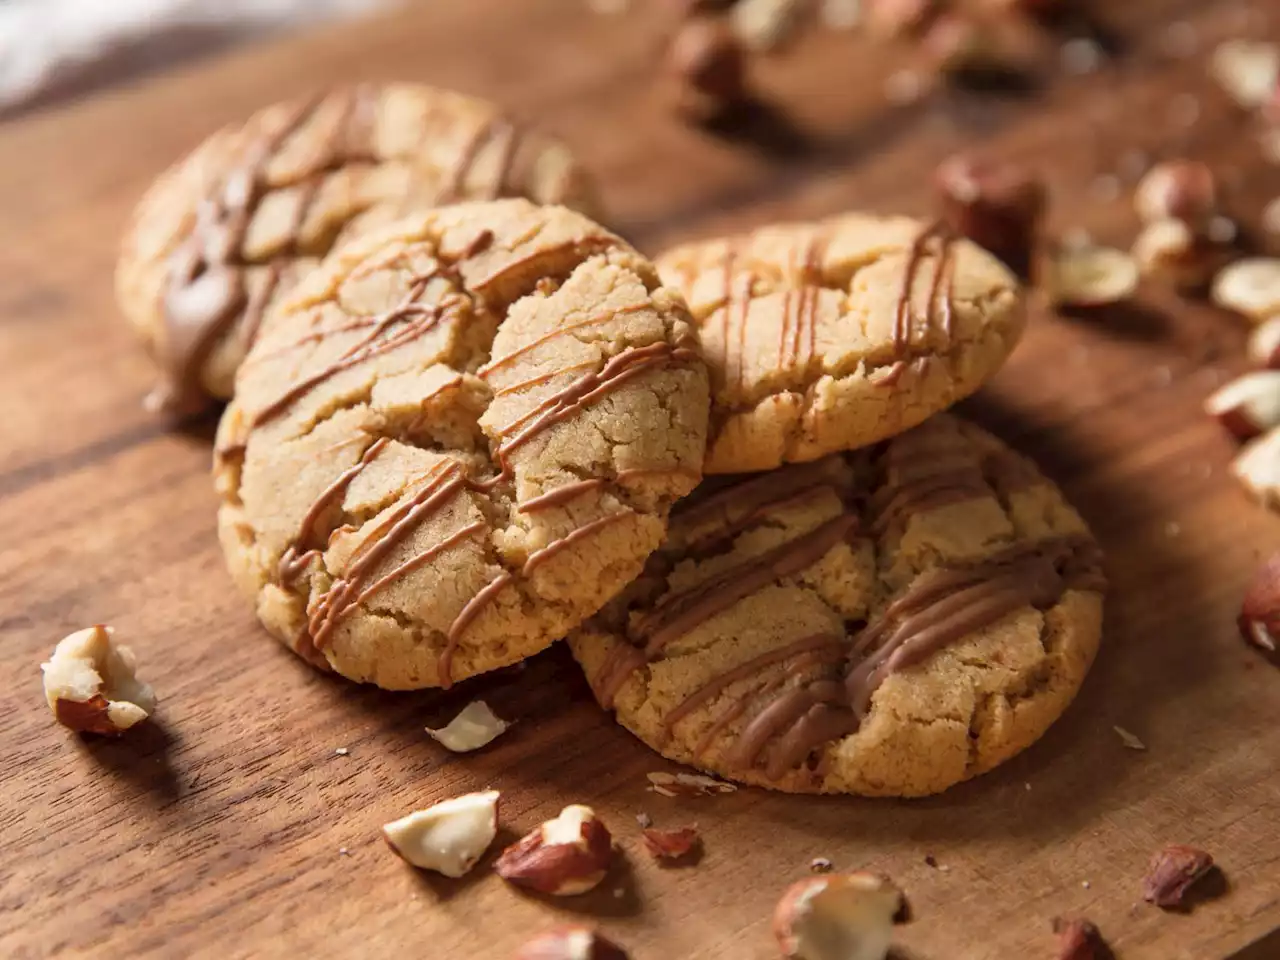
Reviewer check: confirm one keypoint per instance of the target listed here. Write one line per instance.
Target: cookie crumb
(619, 893)
(1027, 785)
(1172, 529)
(1129, 739)
(342, 751)
(644, 820)
(1085, 884)
(820, 865)
(344, 852)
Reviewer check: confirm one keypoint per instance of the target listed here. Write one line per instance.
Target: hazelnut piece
(563, 857)
(1172, 252)
(1247, 69)
(897, 18)
(570, 942)
(474, 727)
(1250, 287)
(1090, 276)
(1257, 467)
(846, 916)
(448, 837)
(1079, 940)
(1177, 190)
(709, 62)
(1264, 344)
(1259, 620)
(999, 206)
(1248, 405)
(90, 684)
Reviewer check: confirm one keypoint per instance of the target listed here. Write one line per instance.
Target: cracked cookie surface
(884, 622)
(223, 235)
(830, 336)
(457, 439)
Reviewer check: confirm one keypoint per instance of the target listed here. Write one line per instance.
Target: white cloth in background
(47, 42)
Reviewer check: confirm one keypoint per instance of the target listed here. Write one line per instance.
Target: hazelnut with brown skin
(708, 61)
(1182, 190)
(997, 205)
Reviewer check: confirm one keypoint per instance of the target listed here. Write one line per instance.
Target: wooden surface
(219, 830)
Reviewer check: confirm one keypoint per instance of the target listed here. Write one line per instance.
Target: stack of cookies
(461, 431)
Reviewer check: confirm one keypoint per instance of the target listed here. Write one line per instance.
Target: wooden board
(220, 829)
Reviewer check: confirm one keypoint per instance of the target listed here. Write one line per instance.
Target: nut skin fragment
(997, 205)
(1259, 620)
(1079, 939)
(570, 942)
(90, 684)
(563, 857)
(449, 837)
(669, 845)
(1173, 871)
(846, 916)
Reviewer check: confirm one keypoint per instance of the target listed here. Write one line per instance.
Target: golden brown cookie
(458, 438)
(885, 622)
(224, 234)
(829, 336)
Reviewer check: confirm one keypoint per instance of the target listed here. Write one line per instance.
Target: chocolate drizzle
(941, 295)
(940, 608)
(445, 481)
(679, 612)
(926, 468)
(206, 291)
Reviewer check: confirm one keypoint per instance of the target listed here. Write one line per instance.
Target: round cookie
(885, 622)
(830, 336)
(458, 438)
(221, 236)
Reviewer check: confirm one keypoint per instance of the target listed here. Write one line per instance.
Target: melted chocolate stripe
(469, 612)
(937, 610)
(560, 495)
(205, 287)
(339, 600)
(592, 321)
(543, 554)
(678, 613)
(828, 642)
(414, 562)
(292, 562)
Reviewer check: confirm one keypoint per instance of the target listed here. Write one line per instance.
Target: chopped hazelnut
(448, 837)
(563, 857)
(474, 727)
(1183, 190)
(91, 686)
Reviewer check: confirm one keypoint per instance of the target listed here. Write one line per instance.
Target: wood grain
(221, 829)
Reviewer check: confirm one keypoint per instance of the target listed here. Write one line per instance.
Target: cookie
(885, 622)
(831, 336)
(222, 236)
(457, 439)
